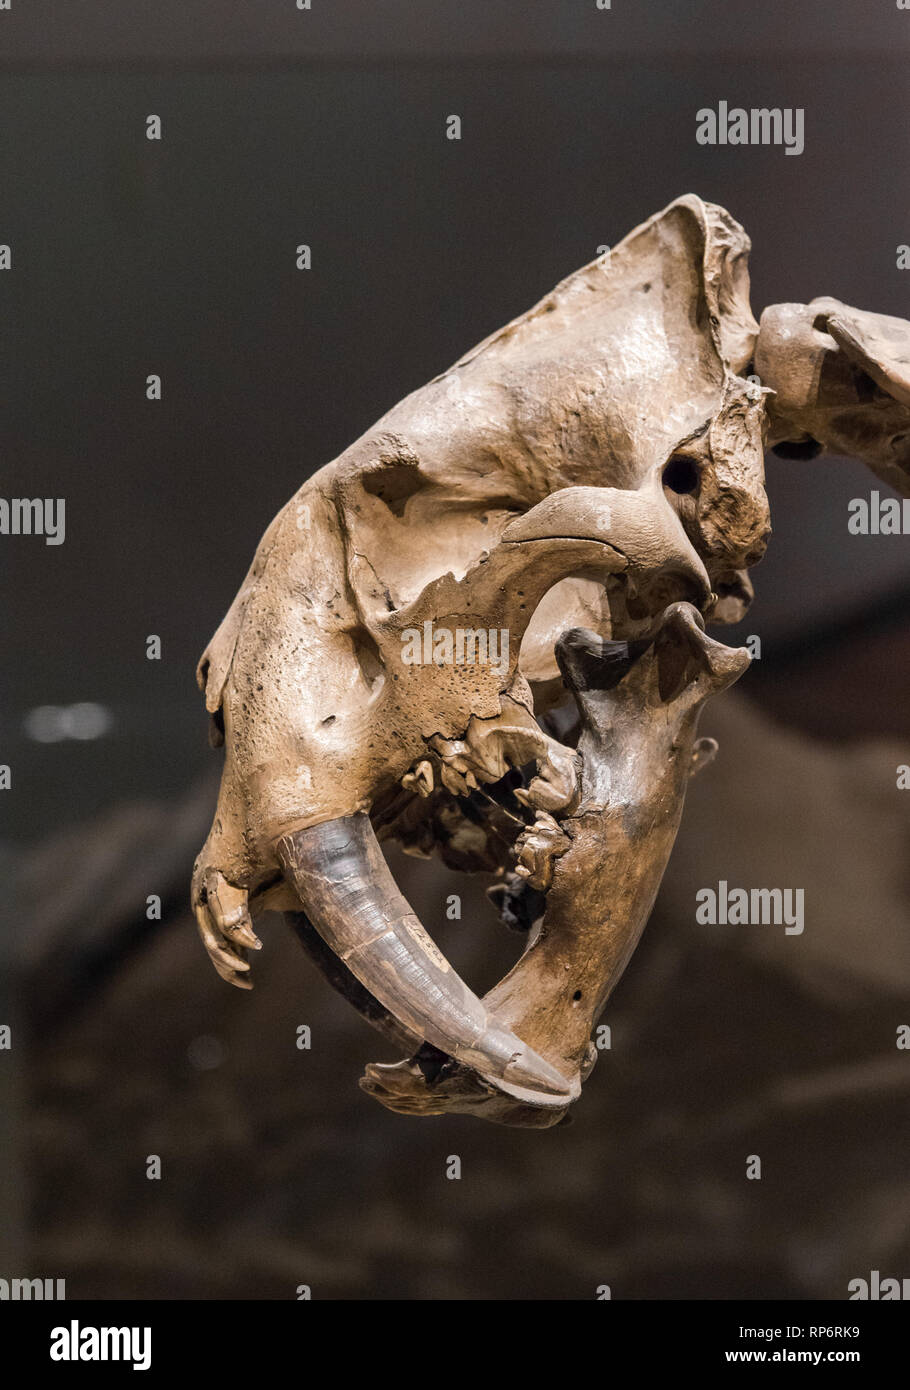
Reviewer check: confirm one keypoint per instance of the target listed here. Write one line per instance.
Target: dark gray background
(131, 257)
(87, 31)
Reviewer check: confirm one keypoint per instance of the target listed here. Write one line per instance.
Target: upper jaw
(639, 711)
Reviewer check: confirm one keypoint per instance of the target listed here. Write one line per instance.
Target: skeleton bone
(596, 460)
(336, 866)
(638, 749)
(841, 379)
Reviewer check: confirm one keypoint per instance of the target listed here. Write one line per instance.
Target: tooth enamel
(538, 460)
(353, 902)
(420, 779)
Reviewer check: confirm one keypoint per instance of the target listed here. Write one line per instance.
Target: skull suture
(587, 483)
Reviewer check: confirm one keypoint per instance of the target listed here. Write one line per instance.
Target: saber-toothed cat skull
(393, 648)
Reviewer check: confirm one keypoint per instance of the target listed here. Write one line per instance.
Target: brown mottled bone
(841, 379)
(639, 747)
(590, 465)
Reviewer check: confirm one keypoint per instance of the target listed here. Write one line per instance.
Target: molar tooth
(420, 779)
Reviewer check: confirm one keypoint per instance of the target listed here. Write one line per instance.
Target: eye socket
(681, 475)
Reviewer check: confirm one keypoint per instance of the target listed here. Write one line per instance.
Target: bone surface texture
(480, 633)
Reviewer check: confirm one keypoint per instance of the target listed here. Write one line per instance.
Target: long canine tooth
(352, 899)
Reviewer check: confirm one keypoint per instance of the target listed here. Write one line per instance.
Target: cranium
(588, 484)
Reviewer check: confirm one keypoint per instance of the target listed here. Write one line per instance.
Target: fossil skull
(594, 467)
